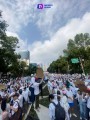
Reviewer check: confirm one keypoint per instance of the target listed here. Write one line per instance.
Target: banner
(39, 73)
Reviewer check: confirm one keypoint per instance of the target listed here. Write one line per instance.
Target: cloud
(22, 43)
(51, 49)
(62, 21)
(50, 20)
(17, 13)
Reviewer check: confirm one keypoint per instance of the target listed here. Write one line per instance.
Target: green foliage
(45, 102)
(8, 58)
(59, 66)
(3, 26)
(79, 47)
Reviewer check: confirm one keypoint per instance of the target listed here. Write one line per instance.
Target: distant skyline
(45, 32)
(25, 56)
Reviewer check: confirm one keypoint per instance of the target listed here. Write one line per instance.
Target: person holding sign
(40, 76)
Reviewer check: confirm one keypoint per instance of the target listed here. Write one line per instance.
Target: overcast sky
(45, 32)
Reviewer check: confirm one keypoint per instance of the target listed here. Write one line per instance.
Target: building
(34, 64)
(25, 56)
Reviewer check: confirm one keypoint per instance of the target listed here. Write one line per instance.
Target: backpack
(59, 112)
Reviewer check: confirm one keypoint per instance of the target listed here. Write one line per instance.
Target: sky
(45, 32)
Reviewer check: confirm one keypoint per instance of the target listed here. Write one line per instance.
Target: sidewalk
(43, 114)
(40, 116)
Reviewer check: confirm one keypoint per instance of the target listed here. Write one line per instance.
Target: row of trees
(9, 59)
(79, 48)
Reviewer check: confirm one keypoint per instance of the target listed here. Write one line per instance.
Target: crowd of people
(63, 92)
(21, 92)
(17, 95)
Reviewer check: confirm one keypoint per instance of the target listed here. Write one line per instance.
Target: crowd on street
(17, 95)
(63, 93)
(21, 92)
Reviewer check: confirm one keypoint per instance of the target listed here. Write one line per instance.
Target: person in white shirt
(36, 93)
(65, 105)
(88, 107)
(20, 98)
(52, 107)
(50, 86)
(32, 81)
(15, 106)
(70, 101)
(84, 105)
(2, 93)
(25, 94)
(73, 89)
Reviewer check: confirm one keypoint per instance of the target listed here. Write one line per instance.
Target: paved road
(76, 109)
(44, 113)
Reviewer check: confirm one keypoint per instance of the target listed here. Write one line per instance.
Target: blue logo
(42, 6)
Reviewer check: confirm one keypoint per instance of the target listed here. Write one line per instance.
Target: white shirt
(36, 88)
(15, 105)
(0, 113)
(70, 94)
(2, 94)
(50, 86)
(20, 100)
(55, 97)
(88, 103)
(77, 97)
(73, 90)
(11, 89)
(64, 103)
(60, 83)
(52, 110)
(25, 95)
(32, 81)
(10, 95)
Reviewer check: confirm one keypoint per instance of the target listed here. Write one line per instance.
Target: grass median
(45, 101)
(32, 114)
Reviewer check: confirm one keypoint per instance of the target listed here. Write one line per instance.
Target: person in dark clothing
(41, 87)
(40, 76)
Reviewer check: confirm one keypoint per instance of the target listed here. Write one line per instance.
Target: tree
(82, 40)
(79, 47)
(3, 26)
(59, 66)
(8, 57)
(7, 52)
